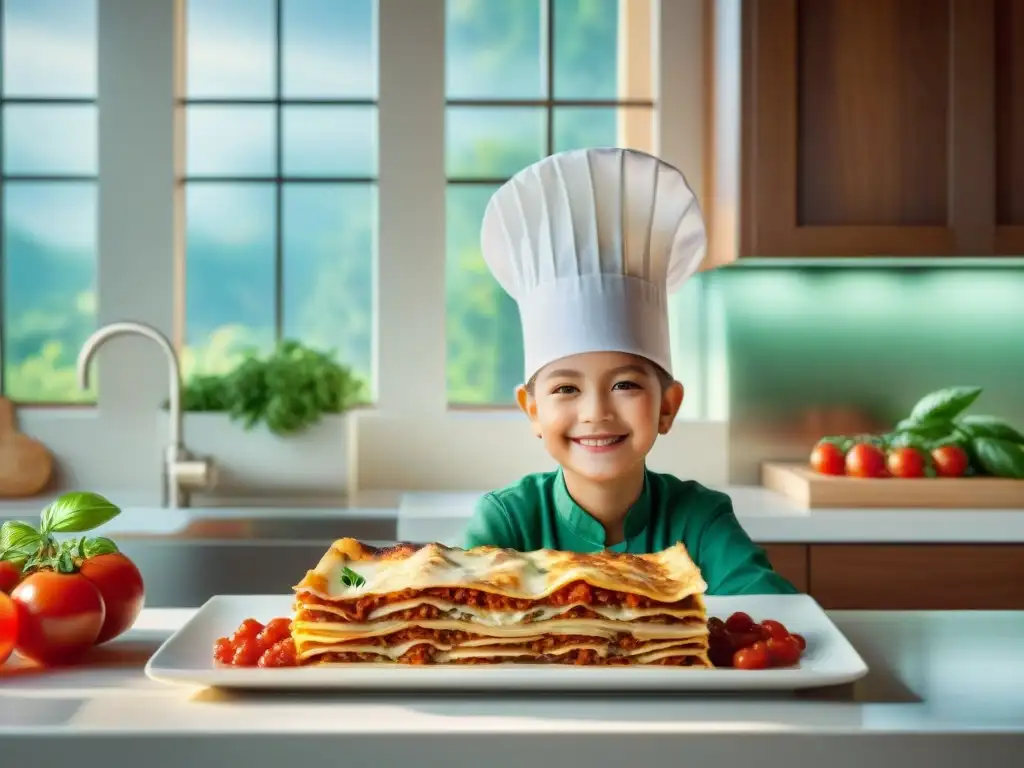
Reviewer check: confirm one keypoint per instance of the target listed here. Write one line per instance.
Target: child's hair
(665, 379)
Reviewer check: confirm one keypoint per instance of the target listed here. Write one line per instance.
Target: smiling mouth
(599, 441)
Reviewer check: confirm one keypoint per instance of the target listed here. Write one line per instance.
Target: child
(590, 243)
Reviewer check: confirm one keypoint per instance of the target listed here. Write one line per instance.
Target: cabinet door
(912, 577)
(790, 562)
(867, 127)
(1009, 110)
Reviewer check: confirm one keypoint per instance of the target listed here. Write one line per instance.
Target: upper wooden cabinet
(866, 128)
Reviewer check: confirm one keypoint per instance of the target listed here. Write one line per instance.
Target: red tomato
(275, 631)
(905, 462)
(746, 639)
(60, 615)
(716, 626)
(950, 460)
(754, 657)
(828, 459)
(10, 575)
(800, 640)
(282, 654)
(784, 651)
(247, 652)
(739, 622)
(8, 626)
(120, 585)
(865, 460)
(771, 628)
(223, 650)
(248, 628)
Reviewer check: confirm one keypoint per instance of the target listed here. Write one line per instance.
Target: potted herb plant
(275, 424)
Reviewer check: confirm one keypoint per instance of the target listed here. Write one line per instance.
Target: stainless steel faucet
(183, 472)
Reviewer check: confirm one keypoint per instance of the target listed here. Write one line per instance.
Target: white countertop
(768, 517)
(924, 679)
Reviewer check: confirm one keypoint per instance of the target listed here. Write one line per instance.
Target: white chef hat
(590, 243)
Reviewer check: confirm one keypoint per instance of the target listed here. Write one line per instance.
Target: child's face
(599, 413)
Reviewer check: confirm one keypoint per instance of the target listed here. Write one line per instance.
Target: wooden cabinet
(1009, 127)
(867, 128)
(790, 562)
(917, 576)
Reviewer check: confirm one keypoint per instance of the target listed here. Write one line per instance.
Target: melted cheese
(448, 652)
(506, 618)
(666, 576)
(595, 627)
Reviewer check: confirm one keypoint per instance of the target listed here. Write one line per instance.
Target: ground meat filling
(358, 608)
(428, 612)
(423, 654)
(449, 637)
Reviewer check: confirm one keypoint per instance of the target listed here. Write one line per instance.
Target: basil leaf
(1000, 458)
(926, 429)
(989, 426)
(100, 545)
(16, 536)
(78, 512)
(944, 404)
(351, 579)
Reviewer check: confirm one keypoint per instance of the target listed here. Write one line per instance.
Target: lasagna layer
(426, 607)
(361, 578)
(437, 605)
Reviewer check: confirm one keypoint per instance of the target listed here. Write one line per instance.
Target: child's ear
(528, 405)
(671, 402)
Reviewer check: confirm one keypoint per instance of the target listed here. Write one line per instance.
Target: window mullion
(136, 234)
(410, 309)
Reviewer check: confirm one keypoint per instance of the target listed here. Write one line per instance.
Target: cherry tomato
(771, 628)
(8, 626)
(248, 628)
(800, 640)
(865, 460)
(281, 654)
(275, 631)
(716, 626)
(905, 462)
(746, 639)
(247, 652)
(754, 657)
(950, 460)
(60, 615)
(739, 622)
(10, 575)
(828, 459)
(784, 651)
(120, 585)
(223, 650)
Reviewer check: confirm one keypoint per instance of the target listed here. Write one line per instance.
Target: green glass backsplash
(793, 344)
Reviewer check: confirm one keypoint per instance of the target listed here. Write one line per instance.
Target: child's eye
(626, 385)
(564, 389)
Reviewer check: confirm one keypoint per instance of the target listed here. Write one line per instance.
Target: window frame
(410, 439)
(279, 102)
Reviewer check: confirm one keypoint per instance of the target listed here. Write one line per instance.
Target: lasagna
(432, 604)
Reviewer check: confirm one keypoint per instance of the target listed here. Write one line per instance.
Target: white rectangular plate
(186, 658)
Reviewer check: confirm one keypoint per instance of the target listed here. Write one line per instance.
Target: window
(524, 79)
(242, 167)
(48, 194)
(280, 178)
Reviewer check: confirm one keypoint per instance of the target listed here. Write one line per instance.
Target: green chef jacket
(538, 513)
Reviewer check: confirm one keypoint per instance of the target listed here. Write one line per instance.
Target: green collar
(588, 528)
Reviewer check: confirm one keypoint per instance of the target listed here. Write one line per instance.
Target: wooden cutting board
(25, 464)
(808, 489)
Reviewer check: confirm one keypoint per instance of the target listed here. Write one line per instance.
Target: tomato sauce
(358, 608)
(257, 645)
